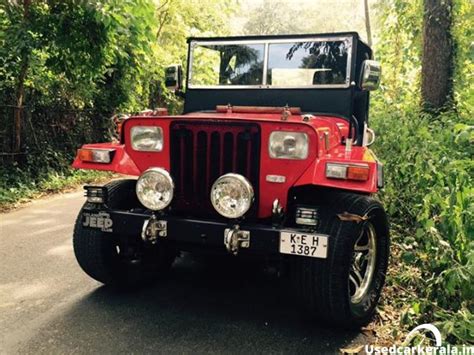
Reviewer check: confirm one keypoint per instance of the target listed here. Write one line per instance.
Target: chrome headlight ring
(232, 195)
(155, 189)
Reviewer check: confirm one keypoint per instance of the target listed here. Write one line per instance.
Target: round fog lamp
(232, 195)
(155, 189)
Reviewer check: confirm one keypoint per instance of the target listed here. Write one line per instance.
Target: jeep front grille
(202, 151)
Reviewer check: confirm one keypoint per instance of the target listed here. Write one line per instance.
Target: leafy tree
(398, 48)
(291, 17)
(21, 50)
(276, 17)
(107, 56)
(75, 63)
(429, 170)
(180, 19)
(53, 54)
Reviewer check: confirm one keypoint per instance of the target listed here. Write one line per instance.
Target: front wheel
(344, 288)
(116, 260)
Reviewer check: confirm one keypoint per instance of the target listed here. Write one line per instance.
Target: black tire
(323, 286)
(113, 260)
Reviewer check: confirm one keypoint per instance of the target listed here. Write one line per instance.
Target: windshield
(272, 64)
(227, 64)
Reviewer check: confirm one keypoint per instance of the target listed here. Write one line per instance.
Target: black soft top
(265, 37)
(344, 102)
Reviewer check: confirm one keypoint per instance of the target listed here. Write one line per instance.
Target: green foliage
(429, 191)
(180, 19)
(285, 17)
(464, 69)
(429, 174)
(84, 61)
(398, 49)
(25, 188)
(276, 17)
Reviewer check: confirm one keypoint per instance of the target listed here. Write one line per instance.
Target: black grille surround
(201, 152)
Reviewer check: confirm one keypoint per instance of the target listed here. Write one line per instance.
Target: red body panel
(310, 171)
(121, 163)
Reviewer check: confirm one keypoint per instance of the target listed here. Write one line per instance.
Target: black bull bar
(261, 238)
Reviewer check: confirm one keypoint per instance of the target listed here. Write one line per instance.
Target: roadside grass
(388, 326)
(25, 190)
(429, 196)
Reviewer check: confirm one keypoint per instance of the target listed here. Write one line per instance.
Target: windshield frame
(266, 43)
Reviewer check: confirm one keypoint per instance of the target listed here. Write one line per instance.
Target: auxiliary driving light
(232, 195)
(306, 216)
(155, 189)
(95, 194)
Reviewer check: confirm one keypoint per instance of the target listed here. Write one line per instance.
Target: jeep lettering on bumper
(100, 220)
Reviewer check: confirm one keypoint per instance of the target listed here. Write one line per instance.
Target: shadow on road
(198, 308)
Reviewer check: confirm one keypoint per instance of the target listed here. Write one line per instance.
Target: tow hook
(235, 238)
(277, 212)
(152, 229)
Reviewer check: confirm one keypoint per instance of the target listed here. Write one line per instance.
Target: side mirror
(370, 75)
(174, 77)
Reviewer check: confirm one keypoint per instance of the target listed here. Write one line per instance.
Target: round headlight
(232, 195)
(155, 189)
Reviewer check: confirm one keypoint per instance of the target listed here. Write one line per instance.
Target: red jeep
(269, 160)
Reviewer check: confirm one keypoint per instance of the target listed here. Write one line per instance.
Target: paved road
(48, 305)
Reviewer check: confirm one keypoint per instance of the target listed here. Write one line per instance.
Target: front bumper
(262, 239)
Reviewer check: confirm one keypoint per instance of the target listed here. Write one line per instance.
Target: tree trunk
(367, 23)
(20, 88)
(438, 55)
(20, 94)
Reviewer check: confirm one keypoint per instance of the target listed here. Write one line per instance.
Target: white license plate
(311, 245)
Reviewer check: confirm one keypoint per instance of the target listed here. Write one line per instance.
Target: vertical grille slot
(188, 166)
(254, 158)
(215, 159)
(201, 166)
(228, 152)
(243, 139)
(203, 151)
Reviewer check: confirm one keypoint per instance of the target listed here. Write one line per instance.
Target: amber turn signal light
(90, 155)
(360, 173)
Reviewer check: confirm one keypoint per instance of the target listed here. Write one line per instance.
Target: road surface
(48, 305)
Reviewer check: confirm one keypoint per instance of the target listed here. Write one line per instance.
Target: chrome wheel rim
(362, 268)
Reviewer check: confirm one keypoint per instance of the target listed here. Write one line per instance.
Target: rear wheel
(114, 259)
(344, 288)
